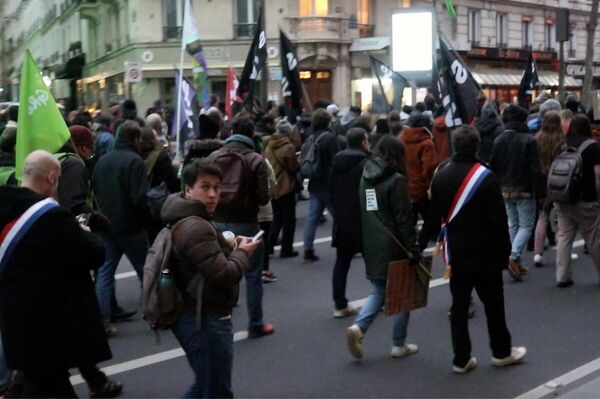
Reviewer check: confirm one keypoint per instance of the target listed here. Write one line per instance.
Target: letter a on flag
(40, 125)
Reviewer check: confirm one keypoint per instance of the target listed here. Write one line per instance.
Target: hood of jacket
(347, 159)
(416, 135)
(487, 124)
(201, 148)
(377, 170)
(176, 207)
(277, 141)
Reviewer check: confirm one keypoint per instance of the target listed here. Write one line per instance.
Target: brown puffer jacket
(441, 138)
(420, 159)
(281, 153)
(203, 265)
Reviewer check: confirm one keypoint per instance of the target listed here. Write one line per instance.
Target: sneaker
(403, 351)
(574, 256)
(267, 329)
(538, 260)
(354, 335)
(347, 311)
(514, 269)
(292, 254)
(110, 389)
(517, 353)
(268, 277)
(310, 256)
(110, 330)
(471, 364)
(564, 284)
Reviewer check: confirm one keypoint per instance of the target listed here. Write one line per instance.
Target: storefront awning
(370, 44)
(512, 77)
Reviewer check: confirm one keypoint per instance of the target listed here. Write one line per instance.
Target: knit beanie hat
(82, 136)
(284, 127)
(515, 113)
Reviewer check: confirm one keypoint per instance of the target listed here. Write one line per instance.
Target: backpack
(565, 176)
(162, 305)
(156, 196)
(237, 180)
(310, 157)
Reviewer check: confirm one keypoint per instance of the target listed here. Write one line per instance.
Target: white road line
(555, 384)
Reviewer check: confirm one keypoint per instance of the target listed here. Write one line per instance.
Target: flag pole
(178, 119)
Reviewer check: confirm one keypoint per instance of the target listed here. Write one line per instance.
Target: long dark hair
(580, 130)
(391, 150)
(550, 139)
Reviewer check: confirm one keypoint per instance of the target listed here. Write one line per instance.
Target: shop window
(173, 21)
(314, 7)
(527, 32)
(246, 14)
(474, 27)
(501, 30)
(549, 36)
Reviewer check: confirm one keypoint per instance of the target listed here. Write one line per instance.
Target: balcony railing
(365, 30)
(172, 32)
(316, 28)
(244, 30)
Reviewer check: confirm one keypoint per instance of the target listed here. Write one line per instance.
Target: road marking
(553, 385)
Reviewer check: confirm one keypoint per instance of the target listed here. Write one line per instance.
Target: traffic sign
(133, 72)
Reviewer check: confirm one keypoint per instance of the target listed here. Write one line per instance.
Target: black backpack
(310, 157)
(565, 176)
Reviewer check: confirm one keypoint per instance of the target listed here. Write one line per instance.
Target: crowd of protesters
(375, 174)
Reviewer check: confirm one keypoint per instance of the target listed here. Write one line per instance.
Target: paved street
(307, 355)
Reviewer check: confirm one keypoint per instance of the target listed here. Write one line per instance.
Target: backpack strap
(583, 146)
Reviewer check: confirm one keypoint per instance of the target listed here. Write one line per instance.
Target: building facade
(83, 45)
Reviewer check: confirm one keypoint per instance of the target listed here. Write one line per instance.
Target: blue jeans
(371, 309)
(254, 284)
(521, 220)
(135, 247)
(209, 353)
(316, 205)
(5, 373)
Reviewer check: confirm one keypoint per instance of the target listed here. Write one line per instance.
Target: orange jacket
(420, 159)
(441, 138)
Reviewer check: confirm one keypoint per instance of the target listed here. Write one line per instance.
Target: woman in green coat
(384, 201)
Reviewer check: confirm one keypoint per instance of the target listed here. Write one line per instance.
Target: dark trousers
(490, 291)
(343, 260)
(284, 217)
(266, 227)
(47, 384)
(431, 228)
(93, 376)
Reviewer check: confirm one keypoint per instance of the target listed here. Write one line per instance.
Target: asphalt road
(307, 355)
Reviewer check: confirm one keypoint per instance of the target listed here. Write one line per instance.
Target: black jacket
(120, 184)
(346, 170)
(478, 235)
(49, 314)
(329, 145)
(516, 162)
(8, 160)
(163, 171)
(489, 128)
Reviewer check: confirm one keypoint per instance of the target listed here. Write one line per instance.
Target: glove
(99, 223)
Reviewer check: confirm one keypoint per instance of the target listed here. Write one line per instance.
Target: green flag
(40, 125)
(450, 8)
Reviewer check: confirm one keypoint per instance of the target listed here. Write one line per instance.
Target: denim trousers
(254, 284)
(521, 219)
(209, 353)
(135, 247)
(5, 373)
(373, 306)
(316, 205)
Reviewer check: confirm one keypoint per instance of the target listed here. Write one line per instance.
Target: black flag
(291, 85)
(390, 85)
(254, 63)
(460, 89)
(528, 81)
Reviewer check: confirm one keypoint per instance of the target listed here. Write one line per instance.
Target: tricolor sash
(465, 192)
(16, 230)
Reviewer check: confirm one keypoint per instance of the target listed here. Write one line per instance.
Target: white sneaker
(348, 311)
(354, 335)
(538, 260)
(517, 353)
(403, 351)
(574, 256)
(471, 364)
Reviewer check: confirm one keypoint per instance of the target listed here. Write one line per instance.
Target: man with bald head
(49, 315)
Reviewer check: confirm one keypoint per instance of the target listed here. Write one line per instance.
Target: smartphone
(258, 236)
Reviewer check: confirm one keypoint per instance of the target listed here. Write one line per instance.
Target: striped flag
(191, 43)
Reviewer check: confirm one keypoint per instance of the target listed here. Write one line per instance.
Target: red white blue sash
(467, 189)
(11, 238)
